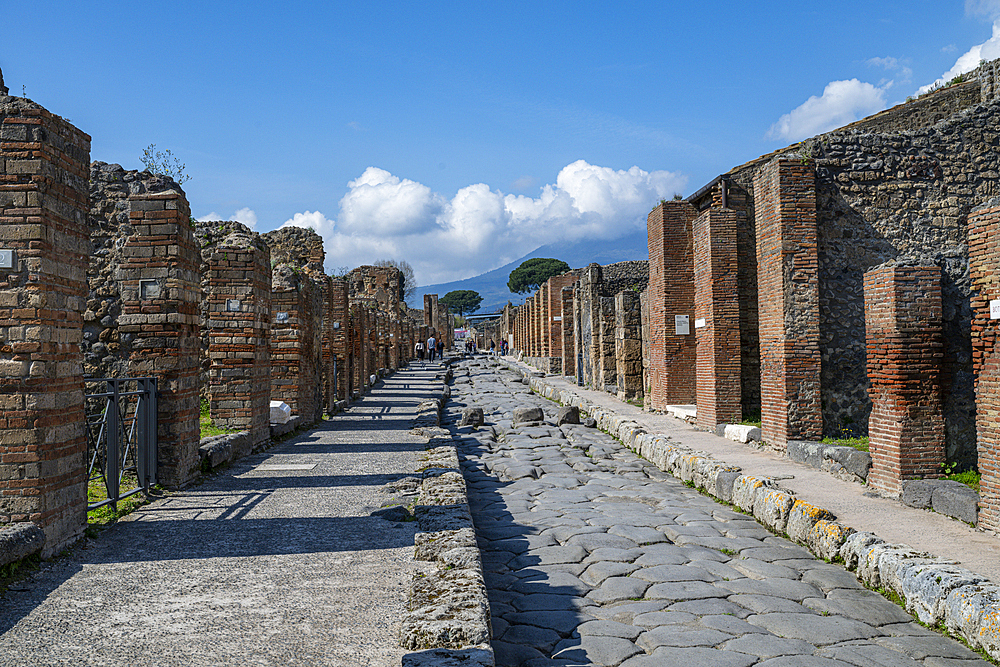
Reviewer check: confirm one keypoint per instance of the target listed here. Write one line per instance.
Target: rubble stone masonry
(628, 345)
(984, 267)
(905, 351)
(44, 167)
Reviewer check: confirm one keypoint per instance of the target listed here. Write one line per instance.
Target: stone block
(974, 612)
(918, 492)
(956, 500)
(441, 657)
(568, 414)
(827, 538)
(771, 507)
(855, 461)
(802, 518)
(806, 451)
(20, 540)
(740, 432)
(472, 417)
(531, 414)
(724, 482)
(280, 412)
(745, 491)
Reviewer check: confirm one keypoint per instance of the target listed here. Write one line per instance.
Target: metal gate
(121, 436)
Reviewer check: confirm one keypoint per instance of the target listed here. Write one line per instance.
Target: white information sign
(699, 323)
(995, 309)
(682, 326)
(557, 318)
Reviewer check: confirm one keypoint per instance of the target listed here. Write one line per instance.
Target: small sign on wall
(557, 318)
(233, 305)
(995, 309)
(8, 259)
(336, 325)
(682, 325)
(149, 290)
(281, 318)
(699, 323)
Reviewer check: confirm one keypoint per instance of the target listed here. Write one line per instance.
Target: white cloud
(842, 102)
(968, 61)
(384, 217)
(245, 215)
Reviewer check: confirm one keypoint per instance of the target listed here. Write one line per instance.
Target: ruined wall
(106, 350)
(384, 284)
(296, 342)
(43, 203)
(880, 195)
(236, 327)
(296, 246)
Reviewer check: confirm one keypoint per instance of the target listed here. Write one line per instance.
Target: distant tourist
(493, 348)
(431, 348)
(440, 349)
(419, 348)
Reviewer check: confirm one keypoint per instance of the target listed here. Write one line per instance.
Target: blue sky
(459, 136)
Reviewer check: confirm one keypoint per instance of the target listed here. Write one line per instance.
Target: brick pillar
(568, 342)
(905, 352)
(673, 355)
(237, 282)
(544, 322)
(984, 270)
(296, 343)
(161, 293)
(44, 175)
(628, 345)
(787, 282)
(717, 318)
(335, 348)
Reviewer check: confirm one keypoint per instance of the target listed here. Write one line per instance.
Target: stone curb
(20, 540)
(933, 589)
(447, 617)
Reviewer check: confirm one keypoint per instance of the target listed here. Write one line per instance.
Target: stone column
(673, 353)
(984, 270)
(161, 293)
(568, 341)
(717, 318)
(237, 282)
(44, 250)
(335, 347)
(607, 366)
(628, 345)
(787, 283)
(905, 352)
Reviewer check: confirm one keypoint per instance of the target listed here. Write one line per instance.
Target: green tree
(163, 163)
(533, 273)
(462, 301)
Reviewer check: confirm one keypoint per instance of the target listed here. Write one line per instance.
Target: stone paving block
(956, 500)
(618, 589)
(818, 630)
(768, 646)
(596, 650)
(668, 656)
(680, 636)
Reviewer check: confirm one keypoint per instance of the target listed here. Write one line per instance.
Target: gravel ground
(258, 565)
(594, 556)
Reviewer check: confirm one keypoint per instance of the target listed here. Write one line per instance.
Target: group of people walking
(434, 349)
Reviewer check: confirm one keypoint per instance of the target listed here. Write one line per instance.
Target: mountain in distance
(492, 285)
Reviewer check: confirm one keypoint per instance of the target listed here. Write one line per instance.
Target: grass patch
(751, 420)
(108, 515)
(860, 442)
(970, 478)
(208, 429)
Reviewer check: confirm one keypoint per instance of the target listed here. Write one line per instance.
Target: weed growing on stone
(205, 419)
(860, 442)
(970, 478)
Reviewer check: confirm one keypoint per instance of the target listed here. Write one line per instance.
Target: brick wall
(607, 366)
(785, 205)
(644, 307)
(628, 345)
(236, 279)
(671, 293)
(296, 342)
(717, 318)
(161, 293)
(984, 269)
(905, 351)
(44, 168)
(335, 348)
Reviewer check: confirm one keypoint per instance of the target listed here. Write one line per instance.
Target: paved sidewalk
(594, 556)
(854, 504)
(275, 561)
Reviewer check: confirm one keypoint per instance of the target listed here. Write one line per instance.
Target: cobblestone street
(593, 556)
